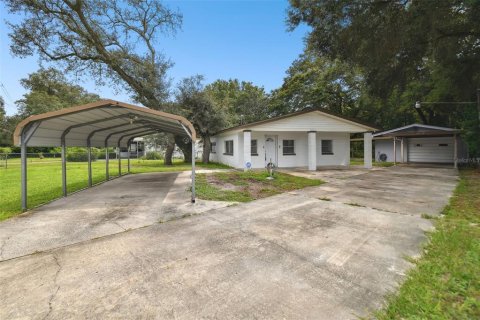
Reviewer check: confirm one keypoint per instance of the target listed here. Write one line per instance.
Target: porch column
(367, 150)
(402, 151)
(247, 150)
(312, 150)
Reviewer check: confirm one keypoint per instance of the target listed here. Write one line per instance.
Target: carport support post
(89, 153)
(367, 150)
(128, 155)
(193, 171)
(394, 150)
(402, 160)
(455, 152)
(119, 160)
(64, 167)
(312, 150)
(107, 174)
(24, 172)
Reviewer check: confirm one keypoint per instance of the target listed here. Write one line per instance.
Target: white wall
(236, 159)
(340, 140)
(341, 149)
(386, 146)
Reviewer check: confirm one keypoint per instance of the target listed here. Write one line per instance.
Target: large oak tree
(111, 41)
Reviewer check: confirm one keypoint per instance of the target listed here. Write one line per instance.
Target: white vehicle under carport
(419, 143)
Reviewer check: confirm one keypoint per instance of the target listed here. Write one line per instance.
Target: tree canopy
(242, 101)
(49, 90)
(406, 51)
(109, 40)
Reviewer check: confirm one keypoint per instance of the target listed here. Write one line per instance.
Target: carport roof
(418, 130)
(98, 124)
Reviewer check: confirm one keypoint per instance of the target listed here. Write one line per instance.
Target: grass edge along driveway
(45, 179)
(445, 283)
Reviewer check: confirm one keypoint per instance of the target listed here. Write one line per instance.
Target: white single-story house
(419, 143)
(309, 138)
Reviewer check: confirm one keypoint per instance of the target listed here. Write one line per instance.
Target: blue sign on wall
(248, 165)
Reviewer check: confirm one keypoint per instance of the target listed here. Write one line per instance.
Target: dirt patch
(227, 186)
(254, 188)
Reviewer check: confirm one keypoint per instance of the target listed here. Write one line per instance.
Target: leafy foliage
(241, 100)
(108, 40)
(49, 90)
(407, 51)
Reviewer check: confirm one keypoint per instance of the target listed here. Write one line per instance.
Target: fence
(13, 159)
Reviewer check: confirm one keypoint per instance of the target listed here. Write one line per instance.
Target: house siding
(234, 160)
(313, 121)
(340, 146)
(340, 157)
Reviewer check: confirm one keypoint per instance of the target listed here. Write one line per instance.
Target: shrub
(5, 150)
(153, 155)
(80, 155)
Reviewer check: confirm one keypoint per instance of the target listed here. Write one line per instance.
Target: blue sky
(247, 40)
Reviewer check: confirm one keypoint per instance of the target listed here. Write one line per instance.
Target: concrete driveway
(289, 256)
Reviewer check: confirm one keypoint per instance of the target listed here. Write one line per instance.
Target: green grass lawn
(359, 162)
(247, 186)
(45, 184)
(445, 284)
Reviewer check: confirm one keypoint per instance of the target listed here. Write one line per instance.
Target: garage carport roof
(97, 124)
(418, 130)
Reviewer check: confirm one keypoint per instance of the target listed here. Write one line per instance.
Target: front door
(271, 150)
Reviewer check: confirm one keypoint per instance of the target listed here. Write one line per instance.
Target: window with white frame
(229, 147)
(253, 148)
(288, 147)
(213, 147)
(327, 147)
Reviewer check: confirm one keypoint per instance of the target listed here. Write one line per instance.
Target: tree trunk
(169, 150)
(207, 146)
(185, 144)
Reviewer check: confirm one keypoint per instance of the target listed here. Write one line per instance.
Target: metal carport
(103, 124)
(409, 133)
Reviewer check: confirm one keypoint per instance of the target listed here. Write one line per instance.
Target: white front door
(271, 150)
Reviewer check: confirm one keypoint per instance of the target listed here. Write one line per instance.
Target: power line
(7, 95)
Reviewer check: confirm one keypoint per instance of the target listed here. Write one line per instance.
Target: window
(213, 148)
(229, 147)
(253, 148)
(327, 147)
(288, 147)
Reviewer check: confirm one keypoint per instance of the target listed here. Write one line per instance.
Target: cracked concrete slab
(287, 256)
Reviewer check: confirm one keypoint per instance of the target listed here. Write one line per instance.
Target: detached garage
(419, 143)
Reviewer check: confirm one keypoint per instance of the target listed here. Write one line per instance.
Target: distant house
(419, 143)
(310, 138)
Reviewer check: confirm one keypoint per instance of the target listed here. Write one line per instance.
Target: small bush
(80, 154)
(5, 150)
(153, 155)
